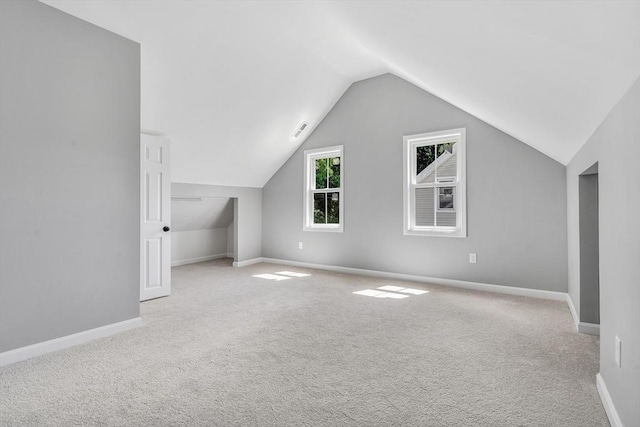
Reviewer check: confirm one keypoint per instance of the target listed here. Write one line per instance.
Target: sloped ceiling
(200, 213)
(229, 82)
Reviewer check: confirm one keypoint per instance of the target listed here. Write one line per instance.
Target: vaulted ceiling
(229, 81)
(200, 213)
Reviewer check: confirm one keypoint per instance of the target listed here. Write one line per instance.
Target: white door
(155, 191)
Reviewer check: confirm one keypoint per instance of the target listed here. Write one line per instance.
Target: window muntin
(323, 196)
(434, 189)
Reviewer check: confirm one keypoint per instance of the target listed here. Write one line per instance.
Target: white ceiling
(229, 81)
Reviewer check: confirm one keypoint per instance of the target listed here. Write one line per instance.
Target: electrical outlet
(472, 258)
(299, 245)
(618, 352)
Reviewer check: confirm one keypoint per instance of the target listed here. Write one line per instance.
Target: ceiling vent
(300, 129)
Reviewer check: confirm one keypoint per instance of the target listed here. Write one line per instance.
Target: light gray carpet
(229, 349)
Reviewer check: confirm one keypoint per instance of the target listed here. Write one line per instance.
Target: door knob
(165, 228)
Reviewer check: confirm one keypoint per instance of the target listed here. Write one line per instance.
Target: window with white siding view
(434, 184)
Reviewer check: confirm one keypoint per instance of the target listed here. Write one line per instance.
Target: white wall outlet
(618, 352)
(299, 245)
(472, 258)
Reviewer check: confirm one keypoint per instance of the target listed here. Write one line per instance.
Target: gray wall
(247, 214)
(516, 196)
(193, 246)
(69, 174)
(615, 145)
(589, 246)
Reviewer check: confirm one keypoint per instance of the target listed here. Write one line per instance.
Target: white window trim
(460, 187)
(309, 159)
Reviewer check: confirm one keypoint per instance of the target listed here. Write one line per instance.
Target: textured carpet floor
(230, 349)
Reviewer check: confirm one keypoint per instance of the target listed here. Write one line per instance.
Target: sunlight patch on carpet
(292, 274)
(403, 290)
(271, 276)
(380, 294)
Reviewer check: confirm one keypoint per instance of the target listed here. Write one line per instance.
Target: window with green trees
(324, 184)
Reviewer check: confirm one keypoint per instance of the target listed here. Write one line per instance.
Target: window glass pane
(425, 167)
(446, 164)
(425, 212)
(334, 172)
(446, 218)
(321, 173)
(333, 208)
(319, 208)
(445, 198)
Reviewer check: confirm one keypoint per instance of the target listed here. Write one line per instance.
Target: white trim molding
(574, 312)
(486, 287)
(39, 349)
(589, 328)
(248, 262)
(612, 414)
(199, 259)
(152, 132)
(582, 327)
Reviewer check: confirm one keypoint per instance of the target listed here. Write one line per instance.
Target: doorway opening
(204, 228)
(589, 252)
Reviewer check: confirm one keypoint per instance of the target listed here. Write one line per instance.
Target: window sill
(436, 233)
(329, 229)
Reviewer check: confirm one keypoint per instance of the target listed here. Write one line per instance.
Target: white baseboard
(582, 327)
(589, 328)
(535, 293)
(614, 418)
(24, 353)
(574, 312)
(199, 259)
(248, 262)
(230, 255)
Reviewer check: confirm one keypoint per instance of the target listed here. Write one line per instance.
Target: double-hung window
(434, 184)
(323, 190)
